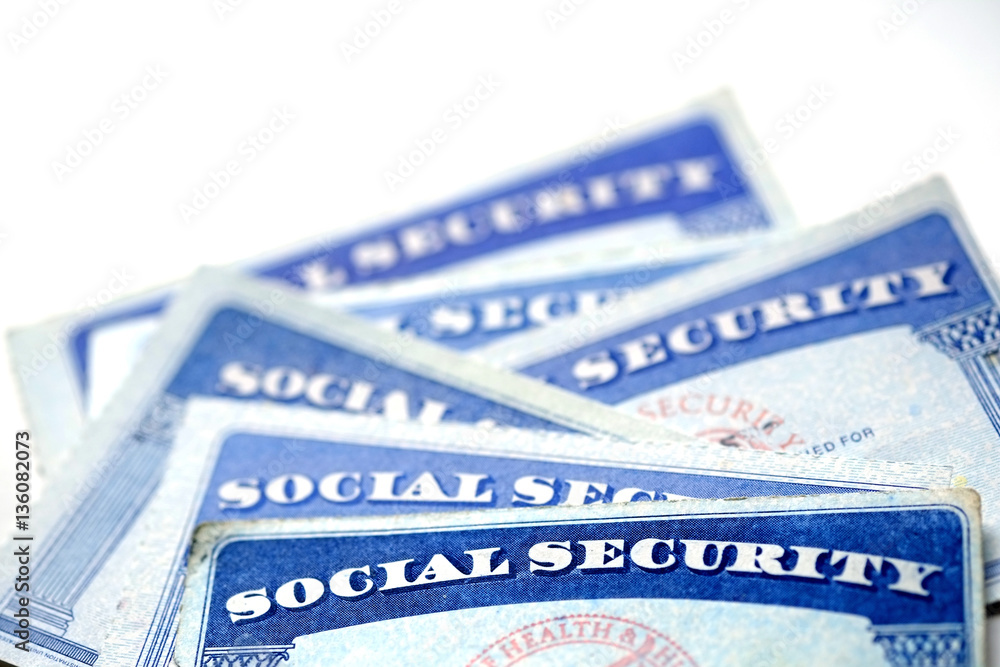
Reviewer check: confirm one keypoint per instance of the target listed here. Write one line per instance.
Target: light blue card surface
(853, 579)
(228, 335)
(239, 461)
(876, 336)
(679, 179)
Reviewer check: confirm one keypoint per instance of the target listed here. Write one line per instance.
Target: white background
(893, 91)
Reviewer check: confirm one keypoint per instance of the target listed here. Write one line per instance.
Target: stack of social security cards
(616, 410)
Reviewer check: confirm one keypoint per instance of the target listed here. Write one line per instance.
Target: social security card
(685, 178)
(229, 335)
(240, 461)
(876, 336)
(465, 310)
(852, 579)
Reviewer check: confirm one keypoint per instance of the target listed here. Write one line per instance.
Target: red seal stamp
(591, 639)
(727, 420)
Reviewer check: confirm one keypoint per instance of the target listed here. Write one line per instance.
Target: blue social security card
(233, 336)
(875, 336)
(471, 309)
(687, 178)
(851, 579)
(242, 460)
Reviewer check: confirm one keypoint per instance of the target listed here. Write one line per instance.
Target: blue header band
(930, 535)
